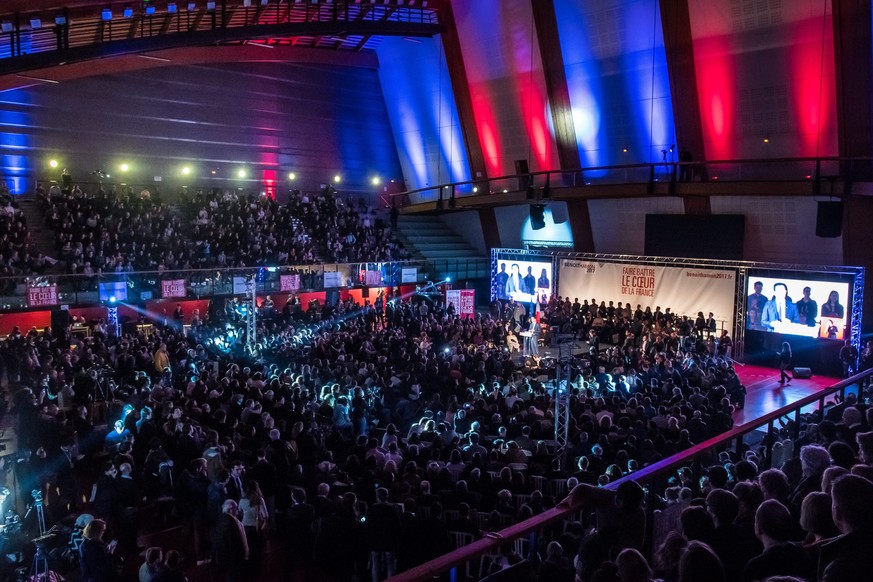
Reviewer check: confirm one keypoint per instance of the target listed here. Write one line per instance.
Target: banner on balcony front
(685, 290)
(289, 283)
(333, 279)
(464, 301)
(409, 275)
(42, 296)
(373, 278)
(173, 288)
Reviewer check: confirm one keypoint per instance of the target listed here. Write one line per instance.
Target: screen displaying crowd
(798, 307)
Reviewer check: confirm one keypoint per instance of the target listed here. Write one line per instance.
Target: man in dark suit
(853, 515)
(779, 308)
(300, 519)
(236, 486)
(382, 532)
(530, 282)
(229, 546)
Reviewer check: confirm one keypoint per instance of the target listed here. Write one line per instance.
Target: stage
(766, 394)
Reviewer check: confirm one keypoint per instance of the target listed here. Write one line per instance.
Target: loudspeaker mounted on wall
(523, 172)
(829, 219)
(537, 216)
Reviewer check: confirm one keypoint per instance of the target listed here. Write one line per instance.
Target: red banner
(468, 303)
(173, 288)
(42, 296)
(290, 283)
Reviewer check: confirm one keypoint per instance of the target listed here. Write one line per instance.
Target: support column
(556, 83)
(676, 25)
(580, 225)
(490, 230)
(461, 90)
(857, 218)
(853, 56)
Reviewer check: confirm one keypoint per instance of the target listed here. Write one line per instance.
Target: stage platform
(766, 394)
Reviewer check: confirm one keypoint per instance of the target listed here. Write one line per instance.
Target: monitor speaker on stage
(829, 220)
(802, 372)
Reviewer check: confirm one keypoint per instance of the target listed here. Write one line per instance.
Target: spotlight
(475, 189)
(60, 20)
(35, 22)
(241, 173)
(124, 167)
(112, 299)
(171, 8)
(376, 181)
(337, 179)
(6, 26)
(448, 279)
(106, 15)
(186, 170)
(292, 176)
(53, 163)
(128, 12)
(150, 10)
(624, 150)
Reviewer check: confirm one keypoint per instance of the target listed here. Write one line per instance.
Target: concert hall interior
(504, 290)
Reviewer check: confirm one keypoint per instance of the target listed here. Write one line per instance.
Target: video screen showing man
(502, 278)
(779, 309)
(807, 309)
(755, 307)
(514, 284)
(530, 282)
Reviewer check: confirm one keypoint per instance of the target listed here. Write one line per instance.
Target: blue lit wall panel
(421, 107)
(617, 77)
(15, 129)
(271, 118)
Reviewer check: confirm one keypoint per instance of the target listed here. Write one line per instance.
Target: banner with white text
(685, 290)
(173, 288)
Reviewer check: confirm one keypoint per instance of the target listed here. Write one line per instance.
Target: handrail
(636, 166)
(488, 544)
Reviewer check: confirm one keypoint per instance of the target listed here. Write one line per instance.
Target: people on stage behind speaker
(785, 358)
(779, 308)
(807, 309)
(833, 308)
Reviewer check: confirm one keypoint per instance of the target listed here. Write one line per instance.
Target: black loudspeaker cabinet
(365, 292)
(829, 220)
(537, 216)
(521, 167)
(802, 373)
(60, 322)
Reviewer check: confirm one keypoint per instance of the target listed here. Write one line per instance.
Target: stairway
(42, 238)
(449, 255)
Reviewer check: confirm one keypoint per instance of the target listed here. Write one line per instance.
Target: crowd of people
(380, 427)
(118, 230)
(16, 253)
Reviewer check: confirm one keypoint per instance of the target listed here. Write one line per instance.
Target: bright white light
(337, 178)
(292, 176)
(53, 163)
(124, 167)
(186, 170)
(376, 181)
(241, 173)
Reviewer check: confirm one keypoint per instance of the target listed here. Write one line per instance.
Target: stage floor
(765, 393)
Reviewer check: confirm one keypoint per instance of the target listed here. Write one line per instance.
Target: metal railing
(45, 37)
(653, 476)
(821, 173)
(76, 289)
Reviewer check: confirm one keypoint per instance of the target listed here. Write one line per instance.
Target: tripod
(39, 569)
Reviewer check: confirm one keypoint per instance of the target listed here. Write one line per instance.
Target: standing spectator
(229, 547)
(254, 520)
(152, 565)
(95, 555)
(382, 531)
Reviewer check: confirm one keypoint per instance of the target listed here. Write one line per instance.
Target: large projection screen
(685, 290)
